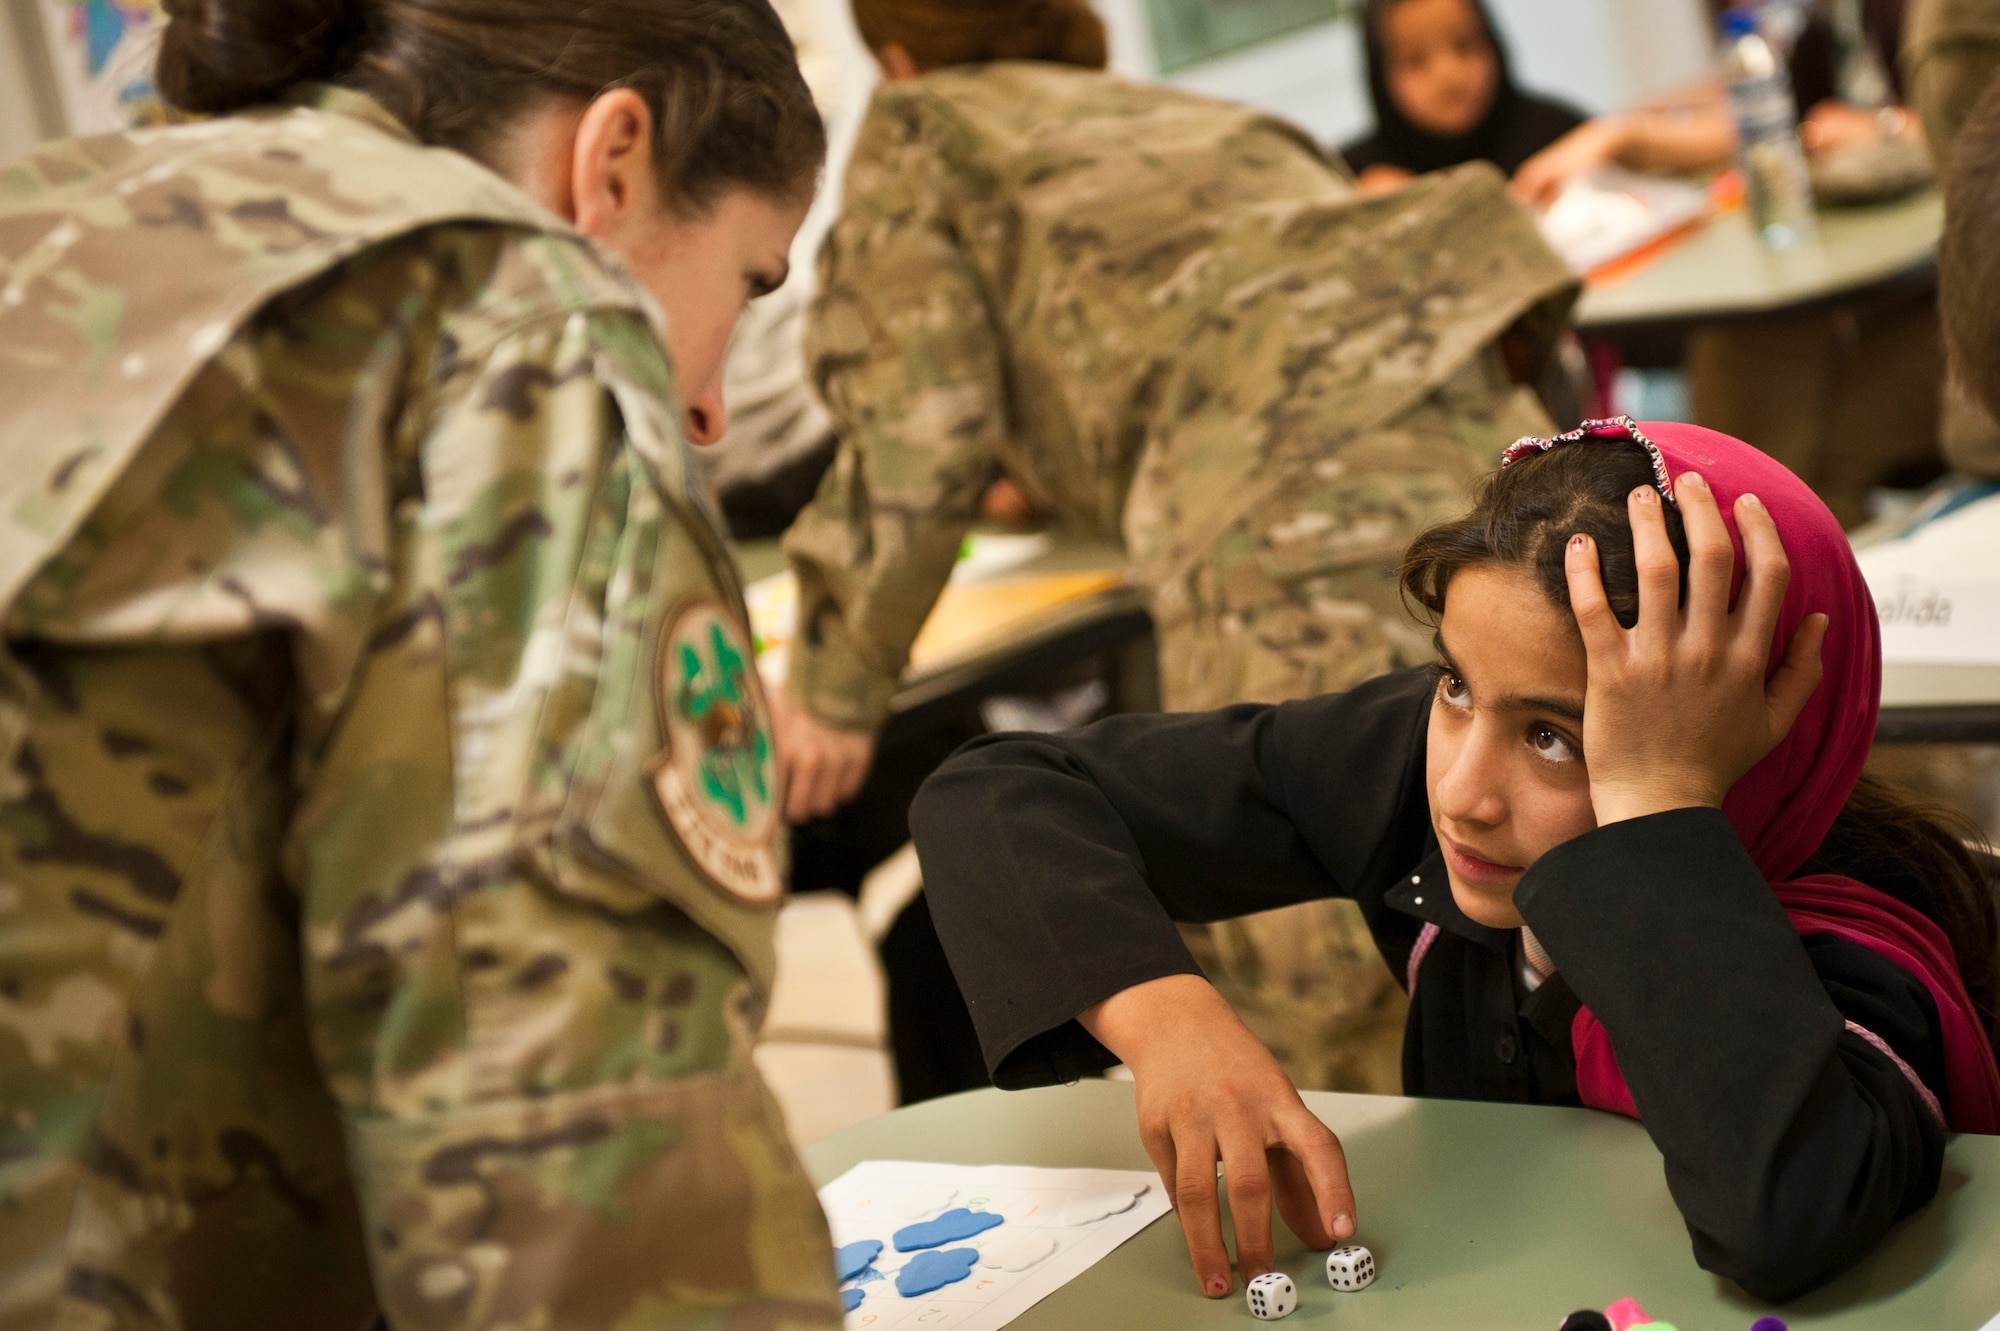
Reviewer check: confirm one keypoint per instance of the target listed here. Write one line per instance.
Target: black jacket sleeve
(1791, 1143)
(1055, 866)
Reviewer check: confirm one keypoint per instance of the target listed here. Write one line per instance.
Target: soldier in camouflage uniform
(1171, 322)
(1951, 52)
(389, 837)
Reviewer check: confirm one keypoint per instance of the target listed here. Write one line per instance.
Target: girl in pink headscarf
(1618, 843)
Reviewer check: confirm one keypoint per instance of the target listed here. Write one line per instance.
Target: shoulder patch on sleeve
(717, 778)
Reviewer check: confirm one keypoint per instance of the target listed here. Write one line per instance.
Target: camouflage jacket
(1951, 50)
(1951, 53)
(389, 838)
(1148, 308)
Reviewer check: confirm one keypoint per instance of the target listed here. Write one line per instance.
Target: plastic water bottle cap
(1738, 22)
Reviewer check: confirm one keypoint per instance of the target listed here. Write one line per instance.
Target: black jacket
(1055, 867)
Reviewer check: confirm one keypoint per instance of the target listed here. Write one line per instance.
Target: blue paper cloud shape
(850, 1299)
(851, 1259)
(929, 1271)
(947, 1228)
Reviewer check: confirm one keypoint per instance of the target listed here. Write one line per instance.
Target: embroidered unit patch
(717, 780)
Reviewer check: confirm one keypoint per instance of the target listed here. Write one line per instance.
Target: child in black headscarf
(1443, 94)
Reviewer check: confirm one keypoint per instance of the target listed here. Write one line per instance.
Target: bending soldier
(1951, 51)
(390, 836)
(1171, 322)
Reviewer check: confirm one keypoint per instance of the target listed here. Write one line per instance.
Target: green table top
(1722, 270)
(1486, 1217)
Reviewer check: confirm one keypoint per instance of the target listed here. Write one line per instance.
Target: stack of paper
(1609, 214)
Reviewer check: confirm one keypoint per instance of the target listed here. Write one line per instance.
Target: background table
(1482, 1217)
(1722, 271)
(1939, 704)
(1100, 624)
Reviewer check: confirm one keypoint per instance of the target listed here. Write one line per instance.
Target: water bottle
(1767, 132)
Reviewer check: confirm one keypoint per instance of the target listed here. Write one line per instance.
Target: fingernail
(1217, 1286)
(1752, 501)
(1646, 494)
(1343, 1226)
(1692, 480)
(1577, 542)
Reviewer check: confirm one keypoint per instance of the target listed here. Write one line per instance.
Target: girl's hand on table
(1833, 125)
(1208, 1090)
(1540, 180)
(1677, 707)
(1382, 178)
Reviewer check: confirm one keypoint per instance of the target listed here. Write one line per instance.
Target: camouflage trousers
(1300, 597)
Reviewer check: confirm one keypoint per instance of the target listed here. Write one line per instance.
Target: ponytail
(942, 33)
(219, 56)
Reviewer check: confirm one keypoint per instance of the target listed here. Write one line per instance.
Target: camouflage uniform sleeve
(904, 350)
(1951, 50)
(529, 982)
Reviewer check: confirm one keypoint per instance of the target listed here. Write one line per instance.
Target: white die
(1350, 1268)
(1272, 1296)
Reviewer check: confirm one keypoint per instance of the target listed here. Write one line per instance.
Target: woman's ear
(897, 63)
(612, 171)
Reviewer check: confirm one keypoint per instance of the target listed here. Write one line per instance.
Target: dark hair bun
(1066, 31)
(941, 33)
(223, 55)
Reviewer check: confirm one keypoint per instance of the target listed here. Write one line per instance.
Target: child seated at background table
(1444, 94)
(1617, 841)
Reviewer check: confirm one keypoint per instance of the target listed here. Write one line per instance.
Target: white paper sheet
(1937, 590)
(1609, 214)
(869, 1202)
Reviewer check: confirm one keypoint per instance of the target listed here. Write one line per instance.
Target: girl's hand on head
(1677, 707)
(1208, 1090)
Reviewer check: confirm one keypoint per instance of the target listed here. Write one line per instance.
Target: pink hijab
(1784, 806)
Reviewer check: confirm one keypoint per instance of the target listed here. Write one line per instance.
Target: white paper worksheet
(1056, 1223)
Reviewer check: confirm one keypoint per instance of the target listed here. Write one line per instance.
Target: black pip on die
(1350, 1268)
(1272, 1296)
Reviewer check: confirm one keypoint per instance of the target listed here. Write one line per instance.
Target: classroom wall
(1604, 55)
(1601, 55)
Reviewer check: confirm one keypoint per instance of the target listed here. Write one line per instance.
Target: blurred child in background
(1444, 94)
